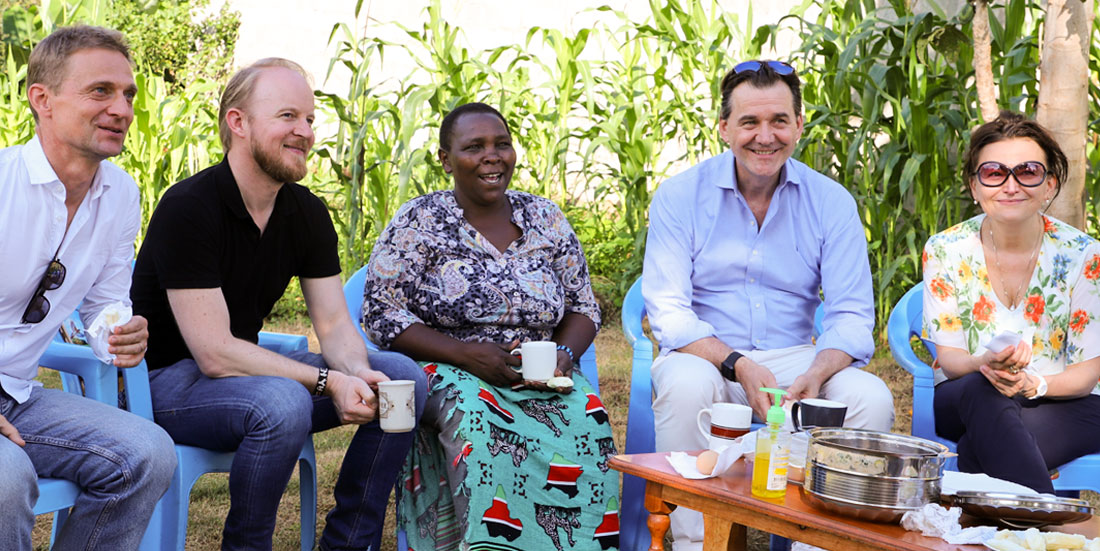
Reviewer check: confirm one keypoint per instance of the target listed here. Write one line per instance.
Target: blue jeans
(266, 420)
(122, 462)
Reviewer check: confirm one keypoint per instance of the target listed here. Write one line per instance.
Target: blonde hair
(240, 87)
(48, 62)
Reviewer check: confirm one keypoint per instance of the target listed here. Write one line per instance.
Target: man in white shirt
(68, 219)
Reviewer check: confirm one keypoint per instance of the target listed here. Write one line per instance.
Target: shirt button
(757, 341)
(758, 305)
(752, 280)
(754, 253)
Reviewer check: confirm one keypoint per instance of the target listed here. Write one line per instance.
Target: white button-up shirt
(96, 250)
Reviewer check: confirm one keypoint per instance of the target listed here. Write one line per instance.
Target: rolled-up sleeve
(666, 272)
(571, 268)
(395, 268)
(849, 319)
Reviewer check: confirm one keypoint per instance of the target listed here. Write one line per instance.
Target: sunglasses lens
(781, 68)
(1030, 173)
(55, 275)
(746, 66)
(36, 310)
(992, 174)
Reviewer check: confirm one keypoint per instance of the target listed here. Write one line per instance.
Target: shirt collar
(41, 172)
(230, 193)
(726, 163)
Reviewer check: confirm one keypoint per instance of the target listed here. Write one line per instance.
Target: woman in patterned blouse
(1017, 409)
(458, 280)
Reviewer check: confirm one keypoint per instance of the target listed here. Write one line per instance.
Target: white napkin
(97, 333)
(955, 482)
(934, 521)
(1007, 339)
(685, 464)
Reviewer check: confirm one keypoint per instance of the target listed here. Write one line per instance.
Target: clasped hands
(1005, 370)
(495, 363)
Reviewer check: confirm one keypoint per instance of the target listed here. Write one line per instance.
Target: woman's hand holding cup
(493, 363)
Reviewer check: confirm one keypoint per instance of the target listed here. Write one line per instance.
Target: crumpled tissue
(97, 333)
(685, 464)
(935, 521)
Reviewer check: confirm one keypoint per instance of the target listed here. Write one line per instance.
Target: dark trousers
(1015, 439)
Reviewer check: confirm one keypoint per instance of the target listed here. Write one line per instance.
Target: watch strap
(727, 366)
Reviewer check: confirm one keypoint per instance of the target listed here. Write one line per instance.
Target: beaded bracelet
(569, 351)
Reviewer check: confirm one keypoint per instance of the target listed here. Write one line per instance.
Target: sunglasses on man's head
(40, 305)
(779, 67)
(994, 174)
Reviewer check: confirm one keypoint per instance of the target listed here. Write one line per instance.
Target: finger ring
(1014, 370)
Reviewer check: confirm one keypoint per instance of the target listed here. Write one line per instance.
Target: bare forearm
(709, 348)
(956, 362)
(343, 350)
(238, 358)
(575, 331)
(1076, 381)
(828, 362)
(423, 343)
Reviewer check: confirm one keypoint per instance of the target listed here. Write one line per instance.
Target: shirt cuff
(675, 332)
(855, 342)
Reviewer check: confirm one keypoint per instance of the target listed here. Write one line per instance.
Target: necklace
(1031, 264)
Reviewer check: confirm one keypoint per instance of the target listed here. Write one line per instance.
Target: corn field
(888, 94)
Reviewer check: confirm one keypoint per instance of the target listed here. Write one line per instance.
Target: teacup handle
(699, 423)
(794, 416)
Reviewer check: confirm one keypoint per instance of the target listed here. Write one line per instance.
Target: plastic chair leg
(307, 476)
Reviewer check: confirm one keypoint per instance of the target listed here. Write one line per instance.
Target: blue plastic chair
(906, 321)
(353, 296)
(640, 432)
(168, 526)
(55, 495)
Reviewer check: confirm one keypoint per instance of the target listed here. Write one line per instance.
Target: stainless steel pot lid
(1022, 511)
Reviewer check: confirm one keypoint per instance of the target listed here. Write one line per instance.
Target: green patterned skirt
(509, 469)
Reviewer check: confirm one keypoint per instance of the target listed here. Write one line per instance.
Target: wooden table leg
(658, 520)
(723, 535)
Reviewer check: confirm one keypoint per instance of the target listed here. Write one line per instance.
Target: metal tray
(1023, 511)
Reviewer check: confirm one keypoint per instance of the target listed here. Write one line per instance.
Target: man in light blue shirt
(740, 249)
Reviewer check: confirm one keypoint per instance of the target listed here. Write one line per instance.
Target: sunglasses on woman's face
(40, 305)
(994, 174)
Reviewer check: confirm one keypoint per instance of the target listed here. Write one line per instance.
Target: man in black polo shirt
(220, 250)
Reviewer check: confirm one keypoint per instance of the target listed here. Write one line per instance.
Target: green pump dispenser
(773, 444)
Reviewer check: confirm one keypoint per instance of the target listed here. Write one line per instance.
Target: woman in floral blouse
(457, 280)
(1017, 411)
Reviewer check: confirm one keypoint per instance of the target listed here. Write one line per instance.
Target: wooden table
(728, 508)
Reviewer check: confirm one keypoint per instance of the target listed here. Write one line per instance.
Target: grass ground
(210, 497)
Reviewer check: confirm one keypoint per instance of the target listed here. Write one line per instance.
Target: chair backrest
(353, 297)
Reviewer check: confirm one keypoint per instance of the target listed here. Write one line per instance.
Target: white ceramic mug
(540, 359)
(727, 423)
(397, 405)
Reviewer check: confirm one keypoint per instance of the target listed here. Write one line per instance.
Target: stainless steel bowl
(871, 475)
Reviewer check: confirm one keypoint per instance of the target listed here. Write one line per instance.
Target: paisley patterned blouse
(431, 266)
(1058, 313)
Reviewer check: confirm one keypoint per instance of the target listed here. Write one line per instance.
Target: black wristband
(322, 380)
(726, 369)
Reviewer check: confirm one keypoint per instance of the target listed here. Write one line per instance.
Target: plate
(1023, 511)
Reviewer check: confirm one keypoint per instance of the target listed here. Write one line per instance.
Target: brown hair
(1009, 125)
(48, 63)
(240, 87)
(762, 77)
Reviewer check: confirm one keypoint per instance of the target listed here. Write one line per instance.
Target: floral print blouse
(1058, 313)
(431, 266)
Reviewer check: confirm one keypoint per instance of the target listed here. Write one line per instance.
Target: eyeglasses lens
(1029, 174)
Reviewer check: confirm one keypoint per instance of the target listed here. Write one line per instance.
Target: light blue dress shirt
(709, 271)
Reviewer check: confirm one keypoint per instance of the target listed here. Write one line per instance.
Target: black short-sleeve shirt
(201, 237)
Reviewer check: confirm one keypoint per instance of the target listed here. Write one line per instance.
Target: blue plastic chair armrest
(283, 343)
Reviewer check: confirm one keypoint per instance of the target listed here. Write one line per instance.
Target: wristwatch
(1040, 390)
(726, 369)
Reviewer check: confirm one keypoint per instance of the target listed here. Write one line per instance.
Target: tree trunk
(1063, 97)
(983, 63)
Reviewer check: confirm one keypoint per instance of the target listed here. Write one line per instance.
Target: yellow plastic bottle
(773, 448)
